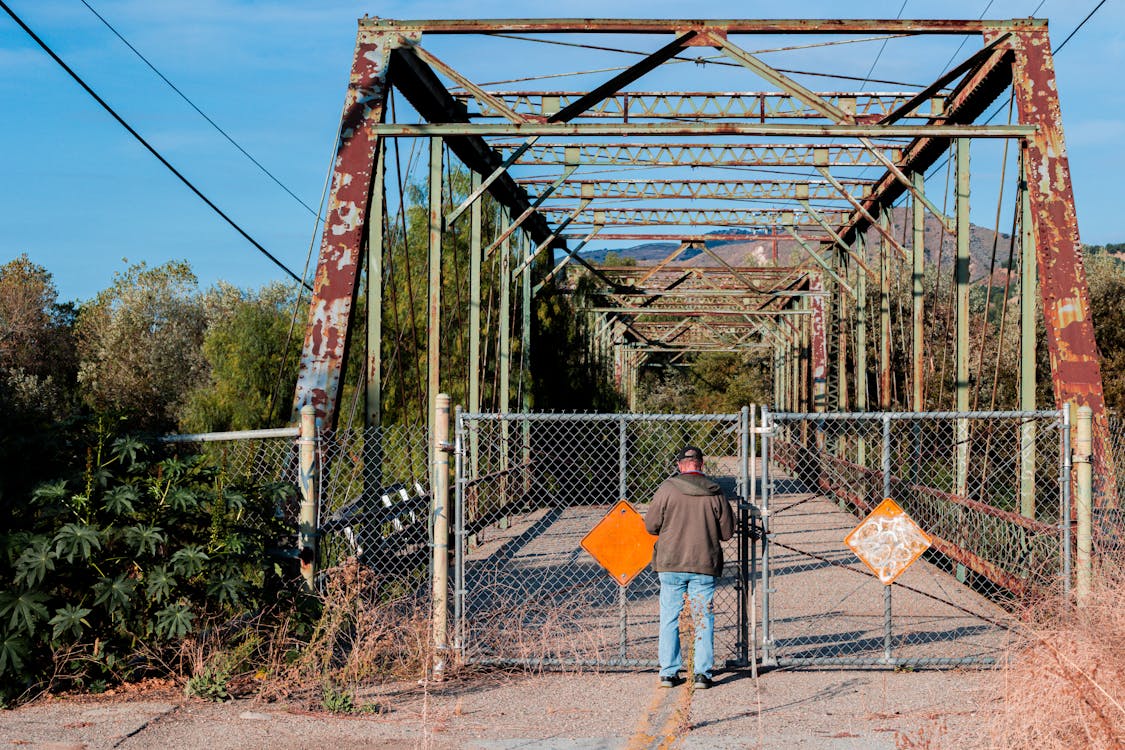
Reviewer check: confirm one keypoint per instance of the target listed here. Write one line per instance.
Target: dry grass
(1064, 685)
(362, 637)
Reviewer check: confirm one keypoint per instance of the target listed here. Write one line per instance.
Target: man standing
(691, 517)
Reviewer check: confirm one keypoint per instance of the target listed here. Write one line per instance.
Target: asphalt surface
(826, 710)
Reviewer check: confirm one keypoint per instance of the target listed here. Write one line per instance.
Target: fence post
(440, 512)
(308, 517)
(1084, 477)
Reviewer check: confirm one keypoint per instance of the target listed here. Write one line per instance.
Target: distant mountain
(759, 249)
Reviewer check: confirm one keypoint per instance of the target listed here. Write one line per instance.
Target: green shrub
(108, 572)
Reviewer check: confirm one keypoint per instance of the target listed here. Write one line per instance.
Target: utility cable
(1070, 36)
(140, 139)
(199, 111)
(882, 47)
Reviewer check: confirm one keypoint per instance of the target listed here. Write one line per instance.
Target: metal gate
(992, 491)
(529, 487)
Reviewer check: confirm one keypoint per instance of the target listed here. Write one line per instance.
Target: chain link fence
(990, 489)
(529, 488)
(373, 488)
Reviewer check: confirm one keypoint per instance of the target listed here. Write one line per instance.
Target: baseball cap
(689, 452)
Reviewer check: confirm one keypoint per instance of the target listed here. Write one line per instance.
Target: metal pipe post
(887, 620)
(622, 492)
(308, 517)
(767, 657)
(1083, 505)
(459, 531)
(440, 542)
(1027, 352)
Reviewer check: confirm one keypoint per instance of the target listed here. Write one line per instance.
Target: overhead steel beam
(705, 105)
(703, 154)
(447, 128)
(672, 26)
(689, 216)
(700, 188)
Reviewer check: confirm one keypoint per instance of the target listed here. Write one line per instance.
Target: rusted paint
(819, 344)
(1075, 369)
(336, 280)
(729, 26)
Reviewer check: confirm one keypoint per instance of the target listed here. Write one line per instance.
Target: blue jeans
(700, 590)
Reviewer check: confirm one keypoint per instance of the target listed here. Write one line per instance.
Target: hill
(759, 249)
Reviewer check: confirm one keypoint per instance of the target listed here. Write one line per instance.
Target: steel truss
(791, 149)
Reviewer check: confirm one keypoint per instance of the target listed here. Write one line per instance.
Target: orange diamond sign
(620, 543)
(888, 541)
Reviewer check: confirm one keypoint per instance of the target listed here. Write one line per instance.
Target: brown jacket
(691, 516)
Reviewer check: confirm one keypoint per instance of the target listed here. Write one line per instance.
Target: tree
(140, 344)
(37, 378)
(1106, 276)
(247, 345)
(37, 359)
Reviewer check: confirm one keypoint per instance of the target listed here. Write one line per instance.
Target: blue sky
(82, 198)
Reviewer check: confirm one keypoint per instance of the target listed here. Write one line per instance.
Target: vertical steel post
(459, 532)
(433, 320)
(525, 358)
(768, 426)
(744, 534)
(309, 516)
(1083, 505)
(861, 348)
(622, 493)
(1066, 482)
(474, 312)
(375, 234)
(439, 448)
(884, 316)
(819, 343)
(842, 350)
(474, 297)
(525, 329)
(752, 479)
(918, 274)
(962, 353)
(1027, 349)
(504, 347)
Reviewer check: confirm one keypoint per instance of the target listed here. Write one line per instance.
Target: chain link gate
(528, 489)
(992, 490)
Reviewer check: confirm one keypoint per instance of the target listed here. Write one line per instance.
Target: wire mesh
(532, 486)
(987, 488)
(375, 504)
(374, 490)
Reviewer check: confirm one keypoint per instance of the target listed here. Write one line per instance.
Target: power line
(201, 113)
(882, 47)
(140, 139)
(1055, 51)
(1079, 26)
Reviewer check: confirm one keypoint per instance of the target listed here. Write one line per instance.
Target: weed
(337, 700)
(209, 685)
